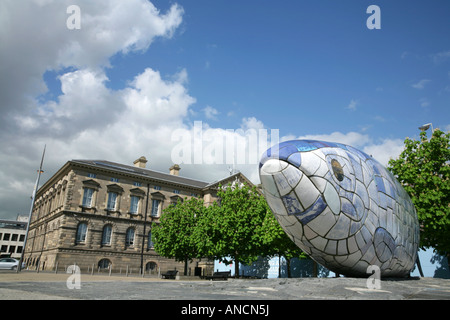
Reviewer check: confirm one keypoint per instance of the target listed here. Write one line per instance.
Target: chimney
(140, 163)
(175, 170)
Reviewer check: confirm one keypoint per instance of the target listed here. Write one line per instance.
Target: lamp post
(19, 267)
(425, 127)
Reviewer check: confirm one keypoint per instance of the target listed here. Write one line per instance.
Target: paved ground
(44, 286)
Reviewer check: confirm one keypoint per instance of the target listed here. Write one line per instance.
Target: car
(9, 263)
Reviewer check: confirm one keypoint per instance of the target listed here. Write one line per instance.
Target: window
(129, 238)
(137, 184)
(22, 237)
(176, 191)
(115, 179)
(134, 206)
(157, 187)
(112, 197)
(6, 236)
(149, 241)
(106, 236)
(14, 237)
(81, 233)
(87, 197)
(104, 264)
(92, 175)
(155, 208)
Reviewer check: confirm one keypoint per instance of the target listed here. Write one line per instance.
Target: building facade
(99, 214)
(12, 236)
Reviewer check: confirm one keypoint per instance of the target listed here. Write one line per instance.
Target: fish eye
(337, 169)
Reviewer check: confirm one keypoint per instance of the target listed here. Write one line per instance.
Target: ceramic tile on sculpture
(332, 198)
(276, 205)
(331, 247)
(342, 247)
(319, 183)
(281, 183)
(292, 175)
(306, 192)
(352, 245)
(367, 174)
(310, 163)
(361, 190)
(288, 220)
(273, 165)
(341, 229)
(313, 211)
(295, 159)
(348, 209)
(359, 206)
(322, 170)
(353, 258)
(268, 184)
(295, 229)
(292, 204)
(309, 233)
(319, 243)
(323, 222)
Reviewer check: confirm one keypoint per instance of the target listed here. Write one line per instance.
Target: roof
(141, 172)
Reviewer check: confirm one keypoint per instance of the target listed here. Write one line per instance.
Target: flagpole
(19, 267)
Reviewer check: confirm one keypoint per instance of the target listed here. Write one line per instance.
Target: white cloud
(35, 38)
(352, 105)
(385, 150)
(88, 120)
(421, 84)
(210, 113)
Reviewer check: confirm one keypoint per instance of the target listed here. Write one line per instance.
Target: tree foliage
(238, 215)
(423, 168)
(238, 228)
(174, 234)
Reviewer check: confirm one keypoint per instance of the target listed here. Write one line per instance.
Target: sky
(137, 78)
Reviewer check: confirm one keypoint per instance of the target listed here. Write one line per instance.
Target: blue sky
(137, 71)
(283, 62)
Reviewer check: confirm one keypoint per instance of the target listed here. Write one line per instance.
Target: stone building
(97, 214)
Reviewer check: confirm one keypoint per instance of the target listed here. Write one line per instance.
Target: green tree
(174, 235)
(230, 230)
(423, 168)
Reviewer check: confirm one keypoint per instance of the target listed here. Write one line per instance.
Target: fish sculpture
(341, 207)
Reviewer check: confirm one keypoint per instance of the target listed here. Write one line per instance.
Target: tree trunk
(185, 266)
(288, 264)
(236, 268)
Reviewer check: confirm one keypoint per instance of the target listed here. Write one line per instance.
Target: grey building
(12, 236)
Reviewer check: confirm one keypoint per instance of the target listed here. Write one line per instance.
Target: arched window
(81, 233)
(129, 238)
(106, 236)
(151, 266)
(104, 264)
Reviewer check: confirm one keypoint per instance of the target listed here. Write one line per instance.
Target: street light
(425, 127)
